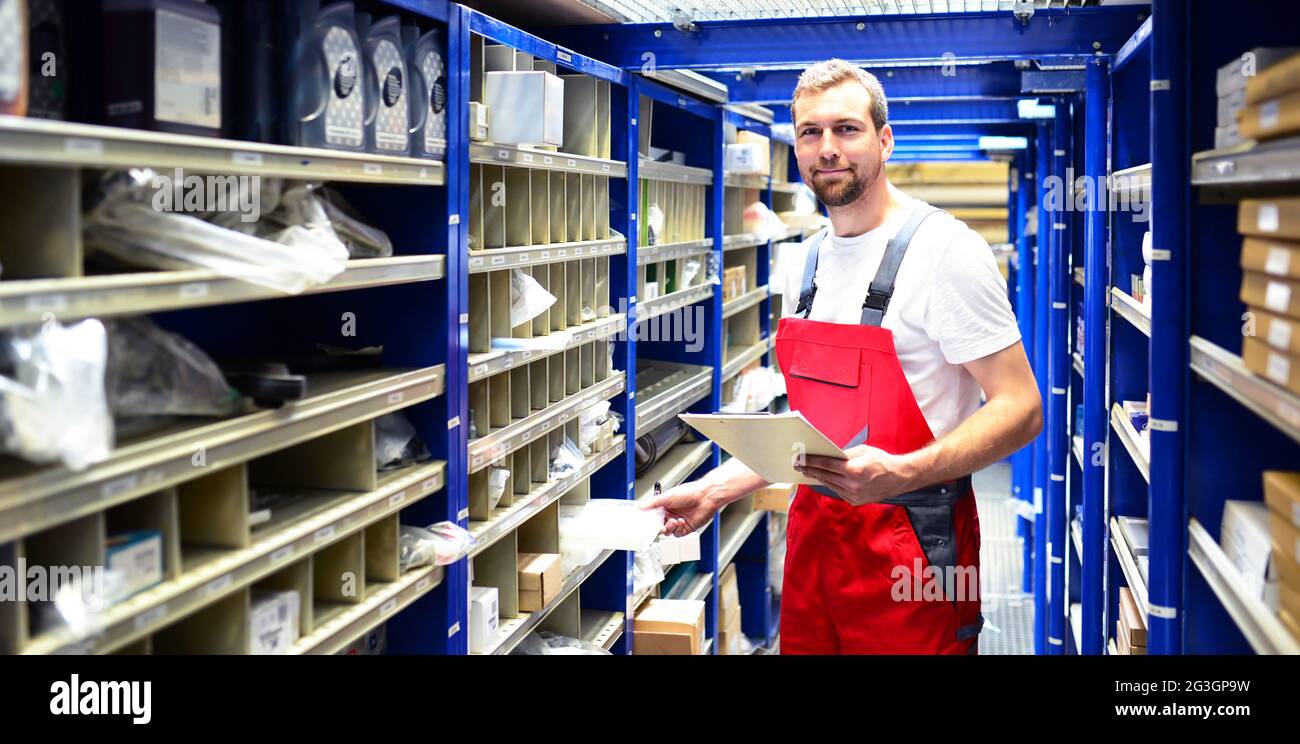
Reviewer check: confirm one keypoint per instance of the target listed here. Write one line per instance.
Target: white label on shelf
(397, 397)
(476, 262)
(453, 422)
(604, 167)
(83, 146)
(498, 260)
(577, 250)
(1279, 368)
(1279, 334)
(1268, 220)
(462, 514)
(388, 607)
(563, 56)
(1278, 296)
(428, 485)
(480, 370)
(503, 154)
(145, 619)
(562, 252)
(282, 554)
(193, 290)
(119, 485)
(546, 255)
(246, 158)
(526, 354)
(1278, 262)
(547, 160)
(464, 318)
(217, 585)
(1270, 113)
(528, 157)
(46, 303)
(372, 169)
(524, 258)
(324, 533)
(453, 219)
(572, 163)
(423, 584)
(453, 630)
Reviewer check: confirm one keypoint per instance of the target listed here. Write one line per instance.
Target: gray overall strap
(807, 288)
(882, 286)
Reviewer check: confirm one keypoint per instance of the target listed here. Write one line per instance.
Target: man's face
(840, 153)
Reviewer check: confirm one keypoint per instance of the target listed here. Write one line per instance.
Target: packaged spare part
(326, 97)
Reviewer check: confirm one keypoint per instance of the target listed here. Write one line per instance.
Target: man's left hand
(869, 475)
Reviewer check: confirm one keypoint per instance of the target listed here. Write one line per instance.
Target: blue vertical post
(1042, 307)
(1058, 379)
(1023, 475)
(1169, 328)
(1092, 587)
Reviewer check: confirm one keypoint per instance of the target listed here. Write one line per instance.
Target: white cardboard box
(1244, 537)
(527, 107)
(483, 615)
(273, 622)
(747, 158)
(674, 550)
(138, 558)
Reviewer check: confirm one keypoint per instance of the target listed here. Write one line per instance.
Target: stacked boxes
(1270, 287)
(1238, 117)
(1244, 537)
(1282, 493)
(734, 283)
(540, 577)
(669, 627)
(1130, 627)
(728, 612)
(1272, 101)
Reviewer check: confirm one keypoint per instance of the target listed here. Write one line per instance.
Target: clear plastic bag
(497, 480)
(763, 221)
(124, 224)
(52, 401)
(546, 643)
(153, 372)
(690, 270)
(397, 443)
(440, 544)
(647, 570)
(610, 524)
(566, 458)
(362, 240)
(655, 223)
(528, 298)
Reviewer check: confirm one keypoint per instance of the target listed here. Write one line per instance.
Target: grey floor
(1008, 612)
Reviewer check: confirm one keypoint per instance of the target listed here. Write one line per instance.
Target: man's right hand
(688, 507)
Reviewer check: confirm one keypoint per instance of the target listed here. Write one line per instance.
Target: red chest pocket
(836, 365)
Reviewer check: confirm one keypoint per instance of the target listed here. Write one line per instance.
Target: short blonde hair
(832, 72)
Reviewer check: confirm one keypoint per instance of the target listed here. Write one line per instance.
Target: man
(896, 322)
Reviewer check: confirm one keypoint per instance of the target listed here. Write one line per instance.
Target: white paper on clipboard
(766, 442)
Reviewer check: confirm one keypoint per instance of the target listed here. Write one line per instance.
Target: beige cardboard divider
(498, 58)
(343, 460)
(566, 618)
(588, 207)
(540, 392)
(572, 371)
(476, 207)
(479, 501)
(78, 543)
(142, 647)
(498, 401)
(214, 513)
(498, 566)
(541, 533)
(603, 123)
(573, 295)
(520, 390)
(523, 61)
(581, 127)
(541, 65)
(494, 206)
(296, 577)
(40, 223)
(559, 310)
(601, 352)
(480, 329)
(382, 544)
(498, 303)
(590, 302)
(603, 300)
(587, 358)
(542, 323)
(555, 377)
(220, 628)
(518, 196)
(539, 459)
(573, 197)
(521, 471)
(13, 615)
(159, 512)
(644, 120)
(478, 408)
(733, 214)
(578, 495)
(742, 330)
(339, 575)
(558, 208)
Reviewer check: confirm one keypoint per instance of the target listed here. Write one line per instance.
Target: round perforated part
(345, 112)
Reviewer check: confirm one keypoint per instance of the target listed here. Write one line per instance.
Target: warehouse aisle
(1008, 612)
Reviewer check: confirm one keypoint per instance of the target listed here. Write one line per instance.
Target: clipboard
(766, 442)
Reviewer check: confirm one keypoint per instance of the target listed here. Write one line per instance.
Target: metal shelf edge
(496, 259)
(1225, 370)
(1130, 437)
(745, 301)
(485, 364)
(1262, 629)
(356, 621)
(487, 153)
(526, 624)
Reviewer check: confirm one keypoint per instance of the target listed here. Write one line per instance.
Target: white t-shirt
(949, 307)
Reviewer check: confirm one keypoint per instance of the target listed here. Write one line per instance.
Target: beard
(847, 188)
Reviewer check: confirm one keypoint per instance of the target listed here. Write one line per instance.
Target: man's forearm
(999, 428)
(730, 481)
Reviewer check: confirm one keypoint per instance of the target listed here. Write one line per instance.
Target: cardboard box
(1229, 105)
(729, 636)
(1272, 257)
(478, 122)
(1270, 218)
(1275, 366)
(1244, 537)
(748, 158)
(774, 498)
(483, 616)
(540, 578)
(1282, 494)
(138, 558)
(1228, 136)
(673, 550)
(1124, 647)
(1292, 625)
(1276, 117)
(669, 626)
(1236, 74)
(728, 595)
(1286, 548)
(1288, 599)
(527, 107)
(1274, 294)
(273, 622)
(1278, 332)
(1279, 75)
(1131, 624)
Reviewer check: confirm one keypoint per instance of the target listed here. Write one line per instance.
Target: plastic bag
(566, 458)
(52, 401)
(362, 240)
(528, 298)
(546, 643)
(763, 221)
(397, 444)
(124, 224)
(153, 372)
(647, 571)
(497, 479)
(610, 524)
(440, 544)
(655, 223)
(690, 270)
(805, 200)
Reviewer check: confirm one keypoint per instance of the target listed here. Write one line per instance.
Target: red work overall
(897, 577)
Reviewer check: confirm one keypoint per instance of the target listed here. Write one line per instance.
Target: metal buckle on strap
(876, 301)
(805, 302)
